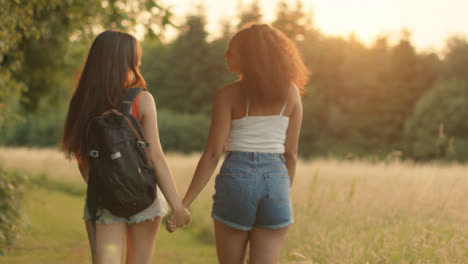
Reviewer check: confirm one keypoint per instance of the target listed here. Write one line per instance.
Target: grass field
(345, 212)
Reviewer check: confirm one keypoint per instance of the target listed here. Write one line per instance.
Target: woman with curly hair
(257, 120)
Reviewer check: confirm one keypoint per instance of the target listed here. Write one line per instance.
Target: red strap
(135, 107)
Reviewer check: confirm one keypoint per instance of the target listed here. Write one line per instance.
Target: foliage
(11, 192)
(178, 131)
(360, 98)
(294, 23)
(191, 85)
(40, 129)
(360, 101)
(456, 58)
(182, 132)
(438, 127)
(250, 14)
(36, 37)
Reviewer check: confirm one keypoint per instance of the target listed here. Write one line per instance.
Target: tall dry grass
(345, 211)
(356, 212)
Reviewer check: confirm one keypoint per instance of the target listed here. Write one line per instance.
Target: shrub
(438, 127)
(183, 132)
(178, 131)
(11, 193)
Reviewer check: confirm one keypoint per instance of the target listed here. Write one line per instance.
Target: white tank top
(258, 133)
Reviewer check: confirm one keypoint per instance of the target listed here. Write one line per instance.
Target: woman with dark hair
(111, 68)
(257, 120)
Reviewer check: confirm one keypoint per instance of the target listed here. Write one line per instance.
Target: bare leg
(266, 244)
(141, 240)
(230, 244)
(109, 242)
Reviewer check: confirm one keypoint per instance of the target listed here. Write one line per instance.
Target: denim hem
(231, 224)
(278, 226)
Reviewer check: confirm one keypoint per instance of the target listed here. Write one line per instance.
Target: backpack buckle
(141, 144)
(94, 153)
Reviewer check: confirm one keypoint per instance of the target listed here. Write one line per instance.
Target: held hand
(170, 226)
(179, 218)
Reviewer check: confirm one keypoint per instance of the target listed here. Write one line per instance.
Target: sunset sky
(430, 21)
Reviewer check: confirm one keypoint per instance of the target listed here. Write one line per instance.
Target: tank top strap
(246, 106)
(284, 107)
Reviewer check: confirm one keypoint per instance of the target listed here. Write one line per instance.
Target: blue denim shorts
(252, 189)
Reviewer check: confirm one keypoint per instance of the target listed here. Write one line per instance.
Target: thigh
(141, 238)
(109, 242)
(266, 244)
(230, 244)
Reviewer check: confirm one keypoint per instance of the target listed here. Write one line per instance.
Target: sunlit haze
(429, 21)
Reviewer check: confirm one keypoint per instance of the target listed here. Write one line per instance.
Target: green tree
(250, 14)
(186, 82)
(360, 97)
(293, 22)
(409, 76)
(456, 58)
(438, 127)
(36, 37)
(185, 74)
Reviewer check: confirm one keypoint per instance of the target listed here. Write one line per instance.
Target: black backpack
(121, 178)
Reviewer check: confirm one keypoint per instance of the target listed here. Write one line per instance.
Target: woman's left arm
(219, 131)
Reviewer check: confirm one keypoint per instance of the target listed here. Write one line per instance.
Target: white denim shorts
(158, 208)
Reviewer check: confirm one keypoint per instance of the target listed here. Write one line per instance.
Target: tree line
(384, 100)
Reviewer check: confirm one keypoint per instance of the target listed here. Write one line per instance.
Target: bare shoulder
(146, 97)
(145, 101)
(226, 94)
(228, 90)
(295, 98)
(145, 105)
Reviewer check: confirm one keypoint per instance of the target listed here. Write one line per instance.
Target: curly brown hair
(270, 62)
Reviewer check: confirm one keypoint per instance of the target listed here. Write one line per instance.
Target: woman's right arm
(147, 110)
(292, 136)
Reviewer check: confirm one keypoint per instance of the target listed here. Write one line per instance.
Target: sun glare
(367, 19)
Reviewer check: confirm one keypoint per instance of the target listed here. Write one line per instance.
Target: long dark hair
(270, 62)
(103, 81)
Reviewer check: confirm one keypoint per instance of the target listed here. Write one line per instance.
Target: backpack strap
(128, 98)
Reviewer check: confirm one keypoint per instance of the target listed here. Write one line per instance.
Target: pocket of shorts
(230, 187)
(278, 186)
